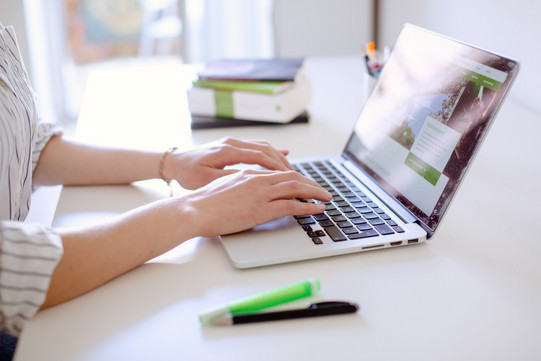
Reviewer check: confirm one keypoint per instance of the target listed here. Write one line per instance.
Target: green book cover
(265, 87)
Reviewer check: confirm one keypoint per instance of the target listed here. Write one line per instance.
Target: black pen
(367, 64)
(313, 310)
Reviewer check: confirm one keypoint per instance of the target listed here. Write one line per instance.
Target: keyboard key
(305, 221)
(307, 228)
(370, 215)
(364, 227)
(344, 224)
(363, 234)
(376, 222)
(320, 217)
(339, 218)
(320, 233)
(398, 229)
(350, 230)
(326, 223)
(359, 220)
(347, 209)
(384, 229)
(335, 233)
(317, 240)
(353, 215)
(359, 205)
(329, 206)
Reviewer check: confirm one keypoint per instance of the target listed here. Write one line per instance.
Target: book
(280, 108)
(272, 69)
(265, 87)
(205, 122)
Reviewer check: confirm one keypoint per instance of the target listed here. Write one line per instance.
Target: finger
(278, 177)
(233, 155)
(299, 190)
(264, 148)
(281, 154)
(286, 185)
(291, 207)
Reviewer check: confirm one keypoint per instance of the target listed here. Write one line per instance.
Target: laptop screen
(431, 108)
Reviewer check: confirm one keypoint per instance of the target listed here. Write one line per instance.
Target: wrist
(188, 219)
(163, 168)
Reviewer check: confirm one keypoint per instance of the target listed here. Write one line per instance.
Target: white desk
(472, 293)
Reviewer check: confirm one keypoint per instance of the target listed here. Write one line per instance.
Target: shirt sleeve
(45, 131)
(28, 256)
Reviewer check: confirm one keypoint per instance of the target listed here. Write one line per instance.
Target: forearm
(95, 255)
(71, 163)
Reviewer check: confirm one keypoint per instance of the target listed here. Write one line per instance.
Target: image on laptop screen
(440, 98)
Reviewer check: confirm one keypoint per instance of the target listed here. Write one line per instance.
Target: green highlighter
(263, 300)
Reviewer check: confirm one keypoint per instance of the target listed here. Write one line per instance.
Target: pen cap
(275, 297)
(209, 314)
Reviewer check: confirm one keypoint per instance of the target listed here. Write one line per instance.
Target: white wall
(322, 27)
(512, 28)
(216, 29)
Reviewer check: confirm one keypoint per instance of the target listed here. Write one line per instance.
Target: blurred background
(62, 41)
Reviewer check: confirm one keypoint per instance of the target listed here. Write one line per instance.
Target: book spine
(280, 108)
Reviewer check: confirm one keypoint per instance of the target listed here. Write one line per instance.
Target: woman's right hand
(248, 198)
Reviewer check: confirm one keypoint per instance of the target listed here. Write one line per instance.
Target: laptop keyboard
(350, 215)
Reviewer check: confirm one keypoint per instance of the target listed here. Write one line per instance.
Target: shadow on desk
(151, 305)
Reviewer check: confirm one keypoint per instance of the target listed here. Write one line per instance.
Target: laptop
(410, 148)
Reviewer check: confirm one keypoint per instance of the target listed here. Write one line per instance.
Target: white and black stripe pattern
(28, 253)
(28, 258)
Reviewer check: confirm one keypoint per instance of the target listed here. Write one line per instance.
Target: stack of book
(249, 92)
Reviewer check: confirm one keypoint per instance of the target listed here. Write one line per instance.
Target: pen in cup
(373, 65)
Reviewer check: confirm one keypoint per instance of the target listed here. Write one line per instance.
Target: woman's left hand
(199, 166)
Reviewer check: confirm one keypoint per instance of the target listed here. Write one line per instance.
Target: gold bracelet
(162, 163)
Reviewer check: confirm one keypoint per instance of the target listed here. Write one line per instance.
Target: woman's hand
(200, 166)
(247, 198)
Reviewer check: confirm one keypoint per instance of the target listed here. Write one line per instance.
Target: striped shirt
(29, 253)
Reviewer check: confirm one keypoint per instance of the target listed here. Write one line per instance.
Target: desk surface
(472, 293)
